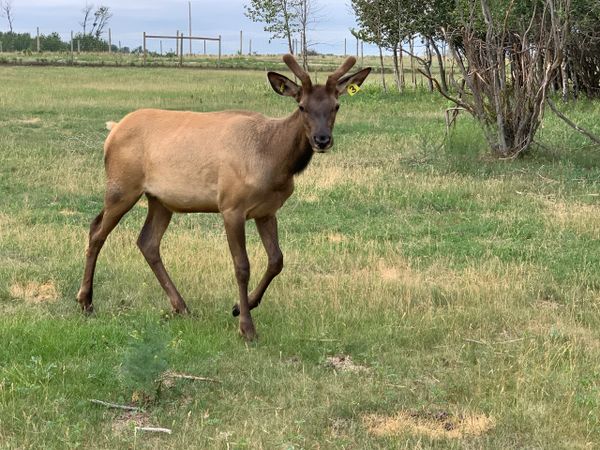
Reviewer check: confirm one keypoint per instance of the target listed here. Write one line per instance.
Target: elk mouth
(321, 148)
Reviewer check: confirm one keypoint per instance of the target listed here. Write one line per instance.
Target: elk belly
(182, 197)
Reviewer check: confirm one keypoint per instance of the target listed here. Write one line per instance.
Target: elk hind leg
(154, 228)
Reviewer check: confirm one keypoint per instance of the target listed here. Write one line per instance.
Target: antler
(291, 62)
(335, 76)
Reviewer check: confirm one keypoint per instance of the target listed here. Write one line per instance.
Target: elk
(240, 164)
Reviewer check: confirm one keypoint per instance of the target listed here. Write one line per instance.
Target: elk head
(318, 104)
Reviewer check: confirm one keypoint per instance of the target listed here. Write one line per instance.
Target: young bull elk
(237, 163)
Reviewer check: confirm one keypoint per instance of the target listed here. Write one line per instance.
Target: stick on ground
(114, 405)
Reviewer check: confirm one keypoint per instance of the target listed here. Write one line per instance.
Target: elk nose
(322, 140)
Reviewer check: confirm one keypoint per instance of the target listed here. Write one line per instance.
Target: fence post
(144, 49)
(241, 42)
(219, 61)
(250, 47)
(38, 39)
(181, 51)
(71, 46)
(177, 43)
(204, 46)
(109, 41)
(0, 47)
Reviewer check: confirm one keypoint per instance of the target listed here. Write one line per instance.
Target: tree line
(93, 27)
(509, 56)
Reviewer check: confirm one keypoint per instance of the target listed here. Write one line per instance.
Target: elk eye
(337, 107)
(301, 108)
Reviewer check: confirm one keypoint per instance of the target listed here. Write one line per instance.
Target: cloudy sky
(209, 18)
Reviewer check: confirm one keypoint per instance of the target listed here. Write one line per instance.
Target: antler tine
(345, 67)
(291, 62)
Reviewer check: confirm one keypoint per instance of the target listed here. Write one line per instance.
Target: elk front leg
(236, 237)
(267, 229)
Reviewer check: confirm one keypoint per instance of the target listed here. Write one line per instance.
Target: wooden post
(38, 39)
(190, 24)
(161, 52)
(204, 46)
(250, 47)
(144, 56)
(181, 52)
(109, 41)
(177, 43)
(71, 46)
(241, 41)
(0, 46)
(78, 46)
(219, 61)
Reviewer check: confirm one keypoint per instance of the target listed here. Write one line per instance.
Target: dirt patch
(129, 420)
(344, 363)
(34, 292)
(435, 425)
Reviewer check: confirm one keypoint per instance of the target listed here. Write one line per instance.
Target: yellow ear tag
(282, 88)
(353, 89)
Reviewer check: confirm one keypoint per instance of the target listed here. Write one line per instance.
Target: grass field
(432, 297)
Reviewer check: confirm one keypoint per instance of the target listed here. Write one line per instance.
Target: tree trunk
(413, 75)
(382, 68)
(397, 69)
(440, 64)
(565, 80)
(427, 66)
(402, 80)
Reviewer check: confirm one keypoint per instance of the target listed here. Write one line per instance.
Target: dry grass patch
(551, 324)
(439, 425)
(34, 292)
(30, 121)
(579, 217)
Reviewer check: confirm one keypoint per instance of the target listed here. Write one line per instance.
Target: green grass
(463, 284)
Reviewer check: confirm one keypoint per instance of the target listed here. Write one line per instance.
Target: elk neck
(291, 144)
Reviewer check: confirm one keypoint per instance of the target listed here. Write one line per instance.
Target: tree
(87, 11)
(101, 18)
(7, 12)
(508, 54)
(279, 16)
(306, 11)
(52, 43)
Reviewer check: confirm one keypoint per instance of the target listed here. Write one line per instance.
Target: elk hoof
(247, 331)
(235, 311)
(87, 309)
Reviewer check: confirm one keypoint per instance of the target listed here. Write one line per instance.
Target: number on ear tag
(353, 89)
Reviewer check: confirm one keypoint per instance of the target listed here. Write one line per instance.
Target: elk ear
(348, 80)
(283, 85)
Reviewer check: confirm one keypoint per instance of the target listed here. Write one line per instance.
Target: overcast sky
(209, 18)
